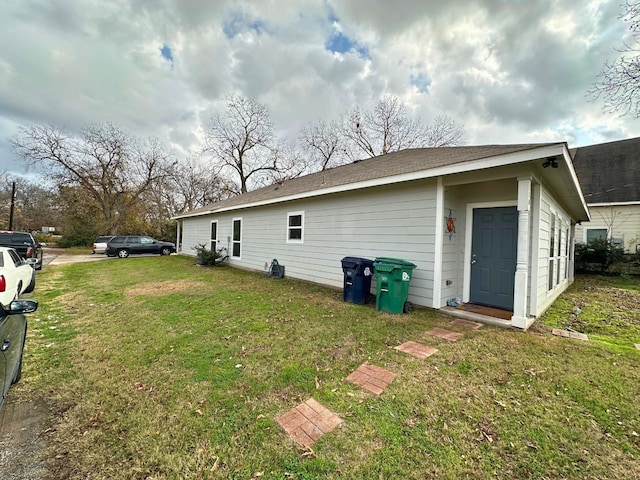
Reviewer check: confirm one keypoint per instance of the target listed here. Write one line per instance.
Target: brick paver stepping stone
(375, 379)
(637, 345)
(416, 349)
(446, 334)
(307, 422)
(460, 322)
(569, 334)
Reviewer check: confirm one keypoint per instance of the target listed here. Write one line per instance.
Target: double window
(295, 227)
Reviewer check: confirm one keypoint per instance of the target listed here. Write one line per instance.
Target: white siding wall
(395, 221)
(453, 250)
(549, 207)
(622, 220)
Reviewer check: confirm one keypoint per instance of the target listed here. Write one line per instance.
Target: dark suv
(24, 244)
(125, 245)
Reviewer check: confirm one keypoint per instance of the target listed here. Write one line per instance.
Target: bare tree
(242, 143)
(443, 132)
(193, 185)
(388, 128)
(113, 169)
(34, 205)
(618, 84)
(323, 143)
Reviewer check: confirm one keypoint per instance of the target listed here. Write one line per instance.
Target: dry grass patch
(166, 287)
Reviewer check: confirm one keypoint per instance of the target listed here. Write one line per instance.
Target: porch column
(521, 287)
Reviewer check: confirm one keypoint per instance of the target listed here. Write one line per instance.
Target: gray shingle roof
(609, 172)
(397, 163)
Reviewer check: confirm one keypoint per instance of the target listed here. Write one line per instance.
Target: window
(559, 249)
(214, 236)
(592, 234)
(295, 227)
(566, 254)
(552, 251)
(237, 237)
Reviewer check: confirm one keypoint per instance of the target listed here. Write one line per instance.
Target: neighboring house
(491, 225)
(609, 175)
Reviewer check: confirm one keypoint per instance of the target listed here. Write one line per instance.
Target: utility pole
(13, 202)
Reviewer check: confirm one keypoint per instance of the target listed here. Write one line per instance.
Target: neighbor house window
(593, 234)
(214, 236)
(237, 237)
(295, 227)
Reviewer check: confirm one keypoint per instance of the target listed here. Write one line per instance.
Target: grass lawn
(157, 369)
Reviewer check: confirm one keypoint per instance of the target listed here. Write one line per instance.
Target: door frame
(468, 239)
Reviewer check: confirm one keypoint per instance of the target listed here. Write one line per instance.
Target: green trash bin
(392, 284)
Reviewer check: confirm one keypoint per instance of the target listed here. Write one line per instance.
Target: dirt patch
(163, 288)
(22, 442)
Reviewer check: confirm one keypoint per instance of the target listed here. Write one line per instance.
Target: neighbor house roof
(609, 172)
(394, 167)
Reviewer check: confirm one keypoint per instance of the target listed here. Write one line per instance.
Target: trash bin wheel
(369, 299)
(408, 307)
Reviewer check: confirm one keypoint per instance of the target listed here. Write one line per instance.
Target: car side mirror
(32, 261)
(21, 306)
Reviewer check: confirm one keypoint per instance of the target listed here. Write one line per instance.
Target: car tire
(32, 284)
(123, 253)
(165, 251)
(18, 374)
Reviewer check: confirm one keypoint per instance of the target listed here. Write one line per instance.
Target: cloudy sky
(510, 71)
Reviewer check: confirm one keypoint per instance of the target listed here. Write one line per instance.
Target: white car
(100, 244)
(17, 275)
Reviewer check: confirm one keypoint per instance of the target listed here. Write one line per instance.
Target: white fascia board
(612, 204)
(473, 165)
(188, 215)
(574, 178)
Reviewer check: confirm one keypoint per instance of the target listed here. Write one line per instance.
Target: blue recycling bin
(357, 279)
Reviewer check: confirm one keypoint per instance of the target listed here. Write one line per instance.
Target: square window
(295, 227)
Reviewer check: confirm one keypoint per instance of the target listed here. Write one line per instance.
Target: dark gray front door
(493, 256)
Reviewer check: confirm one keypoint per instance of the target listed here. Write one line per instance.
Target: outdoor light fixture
(551, 161)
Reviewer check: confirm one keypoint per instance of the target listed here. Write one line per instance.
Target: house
(491, 225)
(609, 174)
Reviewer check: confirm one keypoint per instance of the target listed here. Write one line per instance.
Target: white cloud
(510, 72)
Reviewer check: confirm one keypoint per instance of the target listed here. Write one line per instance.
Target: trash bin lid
(356, 261)
(397, 262)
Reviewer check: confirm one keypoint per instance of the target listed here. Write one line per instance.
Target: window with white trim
(552, 251)
(559, 249)
(213, 243)
(236, 238)
(295, 227)
(567, 249)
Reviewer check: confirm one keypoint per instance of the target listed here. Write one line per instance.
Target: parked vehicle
(100, 244)
(13, 333)
(17, 275)
(24, 244)
(125, 245)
